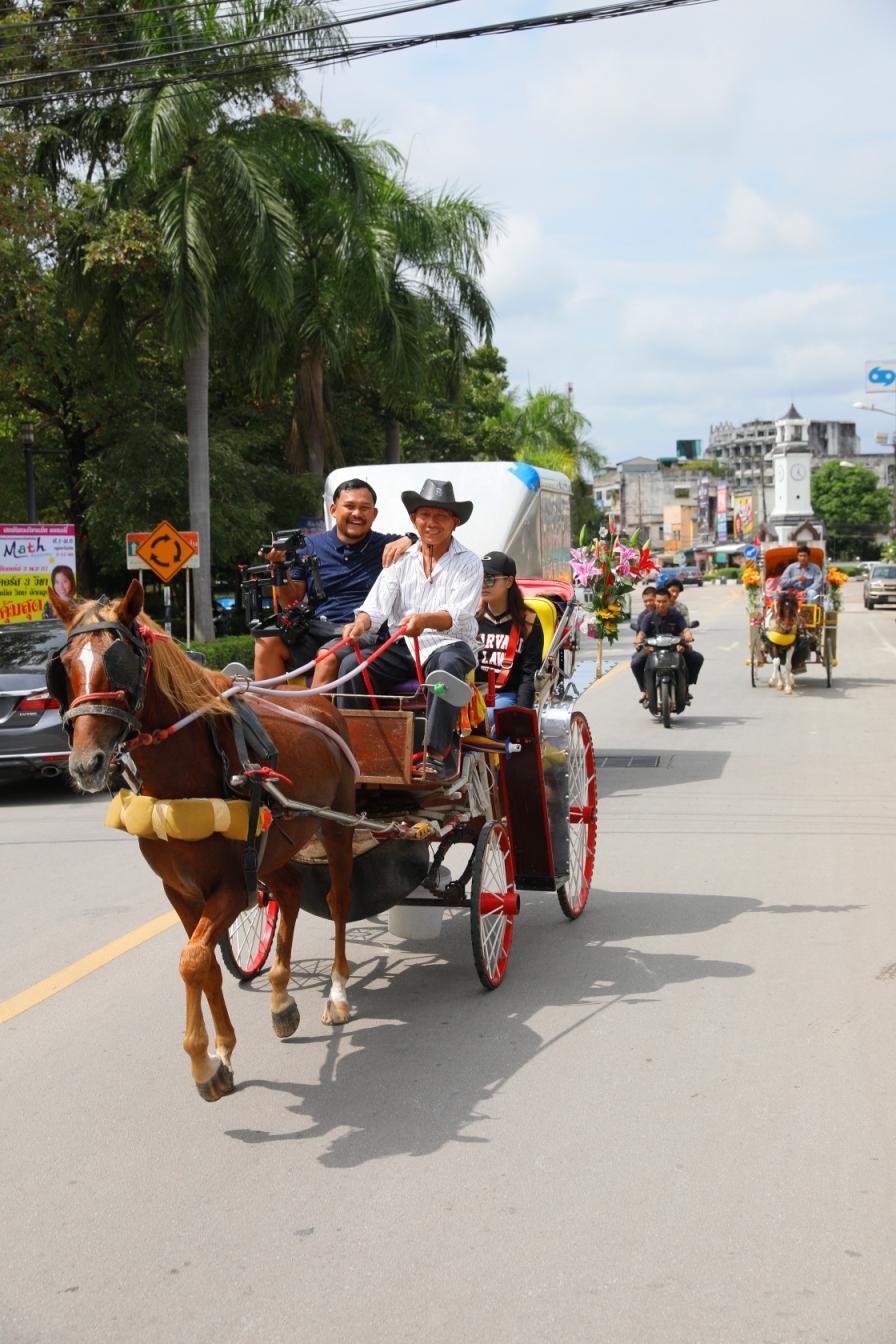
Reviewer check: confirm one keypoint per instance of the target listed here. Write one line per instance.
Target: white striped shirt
(455, 586)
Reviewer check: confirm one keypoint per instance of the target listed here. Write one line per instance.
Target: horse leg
(200, 973)
(337, 842)
(286, 888)
(775, 679)
(225, 1036)
(788, 674)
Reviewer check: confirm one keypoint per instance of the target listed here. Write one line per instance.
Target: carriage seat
(546, 612)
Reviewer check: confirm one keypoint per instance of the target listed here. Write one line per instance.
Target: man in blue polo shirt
(349, 558)
(664, 620)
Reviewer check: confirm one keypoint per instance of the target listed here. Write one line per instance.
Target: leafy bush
(731, 572)
(229, 649)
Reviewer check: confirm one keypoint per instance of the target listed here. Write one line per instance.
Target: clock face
(797, 471)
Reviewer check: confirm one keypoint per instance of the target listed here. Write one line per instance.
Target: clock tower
(792, 463)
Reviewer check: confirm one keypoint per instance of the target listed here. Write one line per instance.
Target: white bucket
(415, 921)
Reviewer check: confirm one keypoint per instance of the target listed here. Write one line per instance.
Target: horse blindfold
(122, 664)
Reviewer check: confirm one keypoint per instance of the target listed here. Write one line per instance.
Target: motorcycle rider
(664, 620)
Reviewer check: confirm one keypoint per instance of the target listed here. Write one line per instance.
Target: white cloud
(752, 226)
(697, 214)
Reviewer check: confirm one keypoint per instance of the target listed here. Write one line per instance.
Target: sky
(696, 206)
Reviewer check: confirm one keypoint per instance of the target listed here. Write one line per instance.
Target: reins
(114, 703)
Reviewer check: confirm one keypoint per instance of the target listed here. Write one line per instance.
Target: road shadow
(427, 1047)
(675, 767)
(650, 914)
(27, 791)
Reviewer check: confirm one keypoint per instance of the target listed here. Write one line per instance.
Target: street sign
(165, 551)
(134, 540)
(880, 375)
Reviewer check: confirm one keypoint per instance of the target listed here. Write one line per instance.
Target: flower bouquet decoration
(608, 568)
(752, 582)
(836, 579)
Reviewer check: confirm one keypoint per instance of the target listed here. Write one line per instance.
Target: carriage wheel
(752, 667)
(573, 895)
(828, 658)
(493, 904)
(246, 945)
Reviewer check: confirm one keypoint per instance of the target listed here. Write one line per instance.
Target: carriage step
(627, 762)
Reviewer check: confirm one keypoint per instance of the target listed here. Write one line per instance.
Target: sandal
(433, 769)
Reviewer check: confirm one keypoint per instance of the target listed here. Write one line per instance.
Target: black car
(32, 740)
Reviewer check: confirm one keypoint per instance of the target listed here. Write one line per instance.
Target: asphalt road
(673, 1122)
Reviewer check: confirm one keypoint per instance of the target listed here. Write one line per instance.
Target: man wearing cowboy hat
(434, 590)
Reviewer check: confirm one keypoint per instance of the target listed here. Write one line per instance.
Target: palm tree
(376, 271)
(211, 180)
(551, 433)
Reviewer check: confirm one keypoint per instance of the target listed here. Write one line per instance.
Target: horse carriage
(523, 803)
(815, 621)
(338, 823)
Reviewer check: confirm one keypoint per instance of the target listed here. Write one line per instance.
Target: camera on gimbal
(257, 583)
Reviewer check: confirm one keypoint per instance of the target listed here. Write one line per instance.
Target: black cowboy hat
(439, 494)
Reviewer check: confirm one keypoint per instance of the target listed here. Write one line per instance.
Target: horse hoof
(335, 1014)
(788, 690)
(286, 1023)
(219, 1085)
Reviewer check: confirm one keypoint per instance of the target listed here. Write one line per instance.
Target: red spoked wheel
(494, 903)
(246, 945)
(573, 895)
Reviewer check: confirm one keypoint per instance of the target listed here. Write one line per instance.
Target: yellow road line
(607, 675)
(69, 975)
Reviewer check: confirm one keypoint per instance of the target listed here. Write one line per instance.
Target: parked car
(879, 585)
(32, 740)
(684, 573)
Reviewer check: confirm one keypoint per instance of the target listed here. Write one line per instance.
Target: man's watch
(412, 536)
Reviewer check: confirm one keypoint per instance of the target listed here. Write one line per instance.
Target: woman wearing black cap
(511, 644)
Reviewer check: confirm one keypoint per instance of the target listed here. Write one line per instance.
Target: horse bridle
(126, 663)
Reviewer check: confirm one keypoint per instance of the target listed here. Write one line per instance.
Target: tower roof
(792, 414)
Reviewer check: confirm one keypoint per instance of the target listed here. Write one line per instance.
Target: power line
(359, 50)
(177, 41)
(230, 45)
(114, 15)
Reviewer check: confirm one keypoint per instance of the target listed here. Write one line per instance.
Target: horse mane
(186, 684)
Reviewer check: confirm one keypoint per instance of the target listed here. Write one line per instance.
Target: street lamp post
(881, 410)
(28, 450)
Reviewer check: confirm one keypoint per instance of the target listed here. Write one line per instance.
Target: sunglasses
(490, 579)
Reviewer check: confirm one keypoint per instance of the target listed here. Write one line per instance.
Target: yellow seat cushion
(547, 614)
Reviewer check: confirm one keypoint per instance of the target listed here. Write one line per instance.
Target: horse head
(786, 608)
(99, 679)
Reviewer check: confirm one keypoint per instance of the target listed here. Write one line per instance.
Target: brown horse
(204, 879)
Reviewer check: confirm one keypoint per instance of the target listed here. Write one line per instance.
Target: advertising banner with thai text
(34, 556)
(722, 513)
(743, 517)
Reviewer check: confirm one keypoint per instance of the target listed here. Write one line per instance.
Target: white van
(519, 509)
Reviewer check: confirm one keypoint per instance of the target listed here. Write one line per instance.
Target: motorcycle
(666, 676)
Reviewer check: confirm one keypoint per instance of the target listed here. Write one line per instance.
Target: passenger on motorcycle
(664, 620)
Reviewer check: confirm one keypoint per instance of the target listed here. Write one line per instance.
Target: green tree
(851, 504)
(384, 277)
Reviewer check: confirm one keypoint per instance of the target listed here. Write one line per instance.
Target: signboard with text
(722, 513)
(34, 556)
(743, 516)
(164, 550)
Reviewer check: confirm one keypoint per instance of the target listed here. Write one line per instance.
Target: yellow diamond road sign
(165, 551)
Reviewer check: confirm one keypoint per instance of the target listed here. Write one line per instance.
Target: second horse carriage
(523, 804)
(815, 621)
